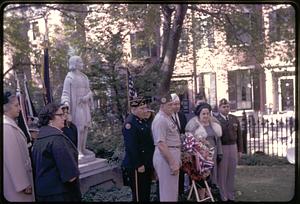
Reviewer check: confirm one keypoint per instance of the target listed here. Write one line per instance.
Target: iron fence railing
(271, 136)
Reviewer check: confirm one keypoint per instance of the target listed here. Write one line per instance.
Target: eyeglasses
(60, 114)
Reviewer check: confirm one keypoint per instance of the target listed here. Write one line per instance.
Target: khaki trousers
(168, 184)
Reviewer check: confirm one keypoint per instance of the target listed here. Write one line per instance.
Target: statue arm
(66, 93)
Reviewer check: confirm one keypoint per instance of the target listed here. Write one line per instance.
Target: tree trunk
(171, 47)
(167, 14)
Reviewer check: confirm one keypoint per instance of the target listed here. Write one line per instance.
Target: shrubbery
(106, 141)
(260, 159)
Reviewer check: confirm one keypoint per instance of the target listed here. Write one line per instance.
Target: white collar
(223, 116)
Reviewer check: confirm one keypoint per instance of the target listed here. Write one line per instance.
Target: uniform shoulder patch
(127, 126)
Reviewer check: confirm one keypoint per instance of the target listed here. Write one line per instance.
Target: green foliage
(262, 160)
(106, 141)
(147, 82)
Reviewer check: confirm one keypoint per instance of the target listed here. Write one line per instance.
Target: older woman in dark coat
(55, 159)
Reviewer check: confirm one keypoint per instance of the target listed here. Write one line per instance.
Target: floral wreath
(197, 157)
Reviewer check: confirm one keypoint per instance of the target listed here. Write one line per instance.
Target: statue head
(75, 62)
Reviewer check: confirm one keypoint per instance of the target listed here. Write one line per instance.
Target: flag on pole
(22, 118)
(46, 78)
(131, 90)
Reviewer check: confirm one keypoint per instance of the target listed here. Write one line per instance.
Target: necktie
(227, 118)
(176, 121)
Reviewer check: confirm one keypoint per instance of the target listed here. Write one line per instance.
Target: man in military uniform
(139, 150)
(166, 158)
(232, 148)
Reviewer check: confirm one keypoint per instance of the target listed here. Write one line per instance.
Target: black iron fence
(267, 134)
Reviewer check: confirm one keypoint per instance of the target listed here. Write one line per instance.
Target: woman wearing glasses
(55, 159)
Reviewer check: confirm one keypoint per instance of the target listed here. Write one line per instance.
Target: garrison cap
(137, 101)
(165, 98)
(223, 101)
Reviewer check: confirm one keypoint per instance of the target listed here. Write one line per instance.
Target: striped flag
(131, 90)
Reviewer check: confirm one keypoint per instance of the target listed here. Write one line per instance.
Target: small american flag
(131, 90)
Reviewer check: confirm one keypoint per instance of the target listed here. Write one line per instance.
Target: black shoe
(181, 198)
(230, 201)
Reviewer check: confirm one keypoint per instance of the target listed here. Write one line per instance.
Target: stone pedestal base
(82, 159)
(98, 172)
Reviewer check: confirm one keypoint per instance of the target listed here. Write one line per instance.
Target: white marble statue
(79, 98)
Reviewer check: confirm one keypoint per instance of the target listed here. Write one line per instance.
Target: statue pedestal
(86, 158)
(97, 171)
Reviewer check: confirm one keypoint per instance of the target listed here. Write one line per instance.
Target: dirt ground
(265, 183)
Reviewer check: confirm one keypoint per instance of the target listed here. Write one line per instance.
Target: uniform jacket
(55, 162)
(231, 131)
(197, 129)
(17, 170)
(138, 142)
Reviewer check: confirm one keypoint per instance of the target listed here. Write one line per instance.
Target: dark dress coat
(71, 132)
(138, 141)
(139, 149)
(55, 162)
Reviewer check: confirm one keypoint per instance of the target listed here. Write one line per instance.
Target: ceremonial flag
(22, 118)
(131, 90)
(46, 78)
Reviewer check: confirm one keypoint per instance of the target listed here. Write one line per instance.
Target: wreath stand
(194, 188)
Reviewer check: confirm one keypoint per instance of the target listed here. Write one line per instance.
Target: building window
(207, 85)
(204, 32)
(282, 24)
(240, 89)
(183, 47)
(239, 28)
(35, 30)
(141, 47)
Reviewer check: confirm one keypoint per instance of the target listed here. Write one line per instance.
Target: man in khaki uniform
(232, 147)
(166, 159)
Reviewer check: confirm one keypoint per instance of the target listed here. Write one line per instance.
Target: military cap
(175, 97)
(223, 101)
(165, 98)
(137, 101)
(148, 99)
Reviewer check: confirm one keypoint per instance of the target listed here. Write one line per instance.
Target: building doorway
(286, 93)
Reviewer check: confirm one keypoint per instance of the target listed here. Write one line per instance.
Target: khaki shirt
(164, 129)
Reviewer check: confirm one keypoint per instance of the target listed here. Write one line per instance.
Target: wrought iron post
(244, 132)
